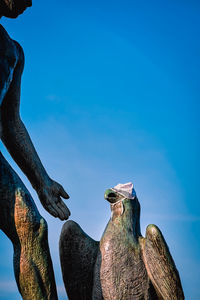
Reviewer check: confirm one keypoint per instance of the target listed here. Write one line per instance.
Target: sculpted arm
(17, 140)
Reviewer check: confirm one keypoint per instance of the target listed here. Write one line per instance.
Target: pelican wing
(78, 253)
(160, 266)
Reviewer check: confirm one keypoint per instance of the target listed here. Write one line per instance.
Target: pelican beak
(110, 196)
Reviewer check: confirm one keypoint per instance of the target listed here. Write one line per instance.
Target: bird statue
(123, 265)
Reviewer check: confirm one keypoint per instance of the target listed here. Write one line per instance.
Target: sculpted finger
(62, 213)
(63, 193)
(64, 209)
(56, 207)
(52, 211)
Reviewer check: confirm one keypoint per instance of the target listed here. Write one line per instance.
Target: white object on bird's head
(125, 190)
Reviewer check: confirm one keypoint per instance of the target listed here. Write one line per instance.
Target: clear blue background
(110, 94)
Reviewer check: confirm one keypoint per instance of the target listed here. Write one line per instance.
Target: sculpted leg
(22, 223)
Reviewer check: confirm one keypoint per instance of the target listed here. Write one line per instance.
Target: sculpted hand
(50, 197)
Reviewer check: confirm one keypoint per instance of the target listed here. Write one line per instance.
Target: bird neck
(126, 218)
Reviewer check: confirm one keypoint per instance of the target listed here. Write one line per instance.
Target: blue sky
(110, 94)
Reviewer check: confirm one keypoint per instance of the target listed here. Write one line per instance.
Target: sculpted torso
(11, 67)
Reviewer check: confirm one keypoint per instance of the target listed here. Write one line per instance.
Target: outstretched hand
(50, 197)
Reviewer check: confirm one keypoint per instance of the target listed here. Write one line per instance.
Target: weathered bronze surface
(13, 8)
(78, 254)
(124, 265)
(19, 217)
(27, 230)
(14, 134)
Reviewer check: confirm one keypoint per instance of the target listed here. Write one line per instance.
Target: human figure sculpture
(19, 217)
(123, 265)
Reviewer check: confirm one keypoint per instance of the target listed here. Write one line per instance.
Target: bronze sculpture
(19, 217)
(123, 265)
